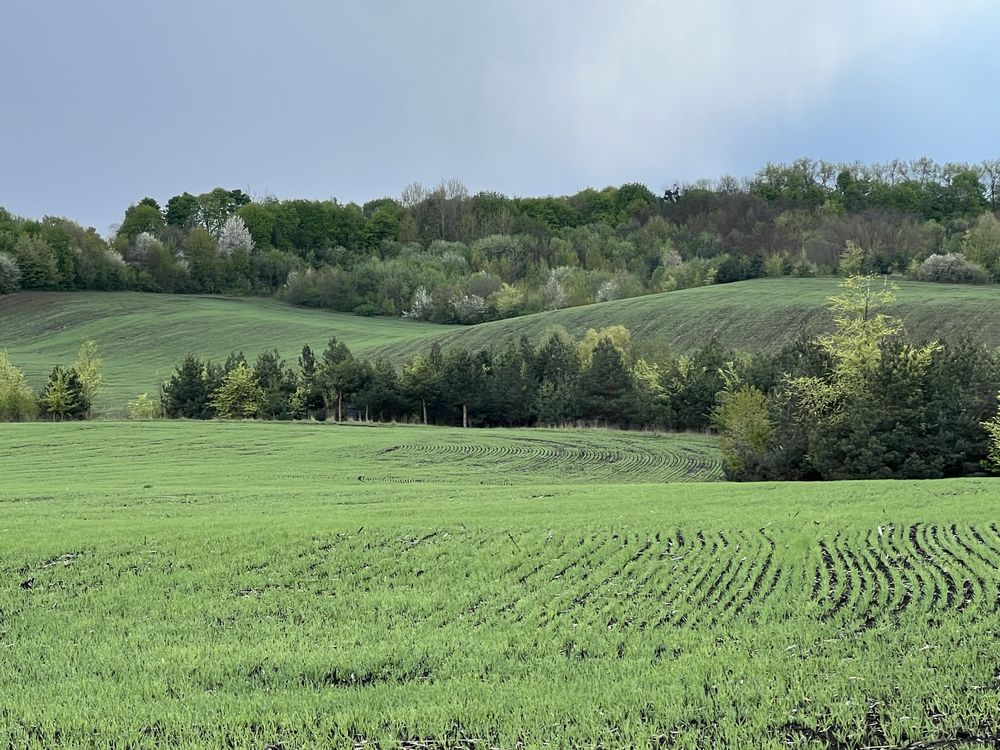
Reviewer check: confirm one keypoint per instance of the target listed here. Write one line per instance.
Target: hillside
(761, 314)
(142, 337)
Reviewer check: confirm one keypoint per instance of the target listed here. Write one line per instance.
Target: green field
(214, 585)
(751, 316)
(144, 336)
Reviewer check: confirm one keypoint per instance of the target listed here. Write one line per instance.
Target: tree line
(862, 402)
(69, 393)
(446, 255)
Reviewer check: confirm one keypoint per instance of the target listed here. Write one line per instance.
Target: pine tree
(63, 397)
(188, 392)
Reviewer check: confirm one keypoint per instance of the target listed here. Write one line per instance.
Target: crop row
(668, 463)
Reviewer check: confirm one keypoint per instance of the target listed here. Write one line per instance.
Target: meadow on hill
(142, 337)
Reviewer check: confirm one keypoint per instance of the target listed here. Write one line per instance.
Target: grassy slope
(750, 315)
(142, 337)
(218, 585)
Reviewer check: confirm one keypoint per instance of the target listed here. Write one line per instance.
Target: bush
(143, 407)
(366, 310)
(951, 268)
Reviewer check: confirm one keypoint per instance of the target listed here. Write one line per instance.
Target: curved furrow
(700, 560)
(883, 581)
(713, 588)
(740, 584)
(927, 550)
(708, 573)
(762, 585)
(614, 578)
(897, 560)
(934, 578)
(546, 456)
(845, 579)
(737, 582)
(528, 592)
(973, 584)
(865, 593)
(988, 537)
(990, 555)
(642, 584)
(574, 601)
(575, 570)
(835, 595)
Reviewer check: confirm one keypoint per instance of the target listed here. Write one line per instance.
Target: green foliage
(239, 395)
(89, 367)
(951, 268)
(143, 407)
(981, 244)
(37, 263)
(852, 260)
(17, 401)
(855, 346)
(188, 393)
(140, 218)
(992, 428)
(607, 388)
(618, 336)
(338, 374)
(277, 384)
(64, 396)
(741, 417)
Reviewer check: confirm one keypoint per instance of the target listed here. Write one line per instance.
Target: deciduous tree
(17, 400)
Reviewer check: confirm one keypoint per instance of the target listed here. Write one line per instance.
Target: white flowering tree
(234, 234)
(421, 305)
(555, 293)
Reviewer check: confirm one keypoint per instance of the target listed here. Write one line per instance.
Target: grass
(142, 337)
(237, 585)
(751, 316)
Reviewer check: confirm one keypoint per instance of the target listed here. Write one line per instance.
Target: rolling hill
(757, 315)
(143, 336)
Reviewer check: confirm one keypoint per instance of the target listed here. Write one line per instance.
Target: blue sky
(111, 100)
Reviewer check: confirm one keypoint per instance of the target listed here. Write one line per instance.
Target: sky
(108, 101)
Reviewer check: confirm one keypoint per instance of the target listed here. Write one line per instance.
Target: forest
(445, 255)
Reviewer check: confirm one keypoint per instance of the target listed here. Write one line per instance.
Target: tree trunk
(465, 415)
(423, 403)
(340, 406)
(366, 413)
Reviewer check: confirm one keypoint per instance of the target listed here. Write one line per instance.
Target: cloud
(627, 83)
